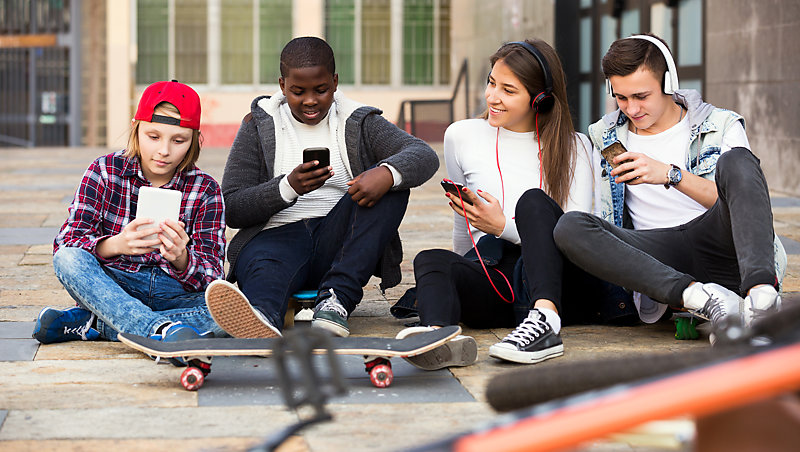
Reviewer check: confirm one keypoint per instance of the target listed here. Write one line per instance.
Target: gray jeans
(731, 244)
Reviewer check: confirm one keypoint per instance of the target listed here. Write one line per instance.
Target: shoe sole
(517, 356)
(232, 312)
(458, 352)
(333, 327)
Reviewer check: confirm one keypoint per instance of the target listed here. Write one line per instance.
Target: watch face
(675, 175)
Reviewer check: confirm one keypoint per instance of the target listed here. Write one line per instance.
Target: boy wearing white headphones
(685, 217)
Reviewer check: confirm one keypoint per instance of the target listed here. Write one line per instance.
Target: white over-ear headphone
(670, 76)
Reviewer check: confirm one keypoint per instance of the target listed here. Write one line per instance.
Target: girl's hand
(173, 239)
(643, 169)
(486, 216)
(304, 178)
(130, 241)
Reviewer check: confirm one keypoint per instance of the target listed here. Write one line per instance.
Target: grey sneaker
(329, 314)
(531, 342)
(718, 305)
(760, 302)
(234, 314)
(459, 351)
(711, 301)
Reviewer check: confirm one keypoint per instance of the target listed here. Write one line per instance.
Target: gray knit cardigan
(250, 186)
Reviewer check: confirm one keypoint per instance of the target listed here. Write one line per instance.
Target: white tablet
(158, 204)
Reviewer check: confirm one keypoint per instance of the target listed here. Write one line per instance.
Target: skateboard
(376, 351)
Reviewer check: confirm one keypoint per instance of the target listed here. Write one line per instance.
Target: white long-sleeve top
(470, 157)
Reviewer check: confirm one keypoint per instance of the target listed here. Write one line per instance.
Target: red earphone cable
(480, 259)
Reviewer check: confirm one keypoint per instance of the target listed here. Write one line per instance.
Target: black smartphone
(322, 154)
(454, 189)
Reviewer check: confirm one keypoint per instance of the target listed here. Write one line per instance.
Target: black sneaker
(329, 314)
(531, 342)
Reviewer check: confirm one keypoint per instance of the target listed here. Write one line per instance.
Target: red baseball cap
(183, 97)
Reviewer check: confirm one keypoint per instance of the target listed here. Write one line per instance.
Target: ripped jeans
(135, 303)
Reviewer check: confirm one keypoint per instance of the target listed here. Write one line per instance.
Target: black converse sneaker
(531, 342)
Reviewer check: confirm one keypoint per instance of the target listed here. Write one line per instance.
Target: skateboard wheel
(381, 375)
(192, 378)
(685, 328)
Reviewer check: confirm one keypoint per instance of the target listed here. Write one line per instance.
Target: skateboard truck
(306, 386)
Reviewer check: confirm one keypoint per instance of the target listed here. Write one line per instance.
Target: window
(390, 42)
(213, 42)
(598, 27)
(238, 42)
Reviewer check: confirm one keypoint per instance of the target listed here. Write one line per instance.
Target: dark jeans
(338, 251)
(452, 288)
(578, 296)
(730, 244)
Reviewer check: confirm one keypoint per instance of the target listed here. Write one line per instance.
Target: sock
(687, 296)
(552, 318)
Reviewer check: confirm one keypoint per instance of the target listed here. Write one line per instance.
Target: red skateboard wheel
(381, 375)
(192, 378)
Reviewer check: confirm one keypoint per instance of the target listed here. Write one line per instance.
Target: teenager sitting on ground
(521, 164)
(686, 217)
(126, 273)
(301, 226)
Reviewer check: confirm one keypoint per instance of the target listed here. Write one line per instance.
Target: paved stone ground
(102, 395)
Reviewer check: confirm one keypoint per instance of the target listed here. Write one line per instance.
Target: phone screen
(321, 154)
(454, 189)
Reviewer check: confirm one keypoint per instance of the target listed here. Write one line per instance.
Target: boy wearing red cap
(147, 281)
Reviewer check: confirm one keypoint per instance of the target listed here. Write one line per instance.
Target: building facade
(71, 71)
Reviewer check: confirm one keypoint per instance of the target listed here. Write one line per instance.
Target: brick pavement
(102, 395)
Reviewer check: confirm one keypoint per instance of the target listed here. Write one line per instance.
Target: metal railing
(427, 118)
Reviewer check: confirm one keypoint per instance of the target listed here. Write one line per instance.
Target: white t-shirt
(653, 206)
(470, 157)
(319, 202)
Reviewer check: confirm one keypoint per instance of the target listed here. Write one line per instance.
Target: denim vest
(708, 125)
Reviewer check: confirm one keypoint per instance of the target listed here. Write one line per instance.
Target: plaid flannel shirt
(106, 201)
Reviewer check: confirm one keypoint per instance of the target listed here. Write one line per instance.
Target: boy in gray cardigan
(302, 225)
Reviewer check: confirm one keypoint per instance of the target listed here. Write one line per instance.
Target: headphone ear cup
(543, 102)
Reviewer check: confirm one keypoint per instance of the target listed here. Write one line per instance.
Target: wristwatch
(674, 176)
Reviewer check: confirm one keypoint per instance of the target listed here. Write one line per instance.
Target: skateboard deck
(376, 346)
(376, 351)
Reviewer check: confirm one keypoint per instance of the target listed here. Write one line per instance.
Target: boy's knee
(68, 259)
(397, 198)
(735, 165)
(569, 226)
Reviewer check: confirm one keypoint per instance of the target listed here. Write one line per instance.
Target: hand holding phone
(320, 154)
(307, 177)
(612, 151)
(455, 189)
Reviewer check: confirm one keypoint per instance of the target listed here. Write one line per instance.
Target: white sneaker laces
(81, 330)
(332, 304)
(715, 308)
(527, 331)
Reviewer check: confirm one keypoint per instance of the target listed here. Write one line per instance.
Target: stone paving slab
(16, 330)
(18, 349)
(103, 395)
(122, 422)
(26, 236)
(254, 381)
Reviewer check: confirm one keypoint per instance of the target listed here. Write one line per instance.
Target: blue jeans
(135, 303)
(339, 251)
